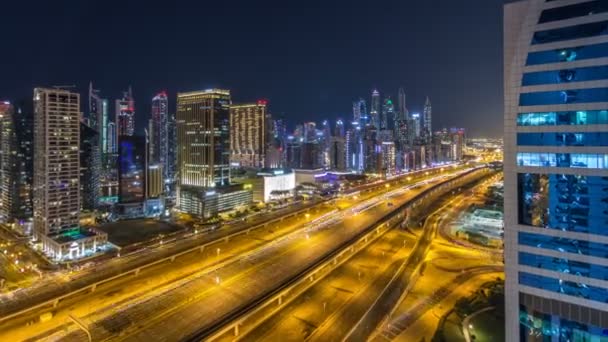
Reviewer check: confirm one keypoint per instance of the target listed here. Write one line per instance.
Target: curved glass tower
(556, 170)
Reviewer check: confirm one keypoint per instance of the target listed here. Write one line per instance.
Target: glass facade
(571, 160)
(565, 75)
(538, 326)
(132, 167)
(573, 11)
(568, 54)
(563, 245)
(564, 265)
(582, 117)
(570, 32)
(565, 287)
(564, 97)
(564, 202)
(563, 139)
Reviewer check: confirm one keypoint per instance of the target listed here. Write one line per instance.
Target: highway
(178, 310)
(328, 310)
(125, 289)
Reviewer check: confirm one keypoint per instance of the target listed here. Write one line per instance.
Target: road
(180, 309)
(119, 292)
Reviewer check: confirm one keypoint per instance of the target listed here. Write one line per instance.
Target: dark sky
(311, 59)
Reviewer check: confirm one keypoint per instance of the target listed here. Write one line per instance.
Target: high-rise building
(90, 167)
(388, 157)
(402, 109)
(556, 170)
(8, 146)
(388, 114)
(415, 131)
(57, 175)
(203, 143)
(56, 161)
(375, 109)
(339, 129)
(360, 113)
(159, 133)
(132, 167)
(310, 132)
(172, 161)
(427, 127)
(125, 115)
(249, 125)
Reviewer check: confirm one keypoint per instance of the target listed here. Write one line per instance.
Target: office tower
(172, 152)
(339, 129)
(159, 133)
(374, 113)
(360, 112)
(8, 146)
(90, 167)
(415, 131)
(556, 178)
(402, 108)
(293, 153)
(310, 132)
(388, 114)
(132, 166)
(249, 125)
(56, 163)
(458, 141)
(427, 128)
(125, 115)
(388, 157)
(154, 181)
(23, 172)
(95, 108)
(203, 142)
(338, 153)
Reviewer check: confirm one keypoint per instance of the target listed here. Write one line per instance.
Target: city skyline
(298, 86)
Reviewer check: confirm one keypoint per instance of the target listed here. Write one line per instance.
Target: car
(390, 204)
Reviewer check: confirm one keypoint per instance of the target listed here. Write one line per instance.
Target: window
(573, 11)
(574, 160)
(563, 245)
(563, 202)
(547, 327)
(568, 54)
(569, 288)
(570, 32)
(564, 265)
(563, 139)
(565, 76)
(588, 117)
(564, 97)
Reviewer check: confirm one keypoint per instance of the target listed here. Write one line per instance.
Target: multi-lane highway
(173, 276)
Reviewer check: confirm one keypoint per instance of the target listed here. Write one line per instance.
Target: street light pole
(81, 325)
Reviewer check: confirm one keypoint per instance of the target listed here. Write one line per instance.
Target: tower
(56, 161)
(555, 169)
(203, 143)
(427, 128)
(249, 134)
(159, 133)
(374, 112)
(125, 115)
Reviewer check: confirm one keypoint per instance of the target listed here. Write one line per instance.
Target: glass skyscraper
(556, 170)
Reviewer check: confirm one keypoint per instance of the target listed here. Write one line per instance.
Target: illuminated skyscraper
(402, 109)
(90, 167)
(249, 134)
(374, 113)
(556, 170)
(388, 114)
(415, 131)
(159, 133)
(360, 112)
(8, 146)
(427, 127)
(56, 162)
(203, 143)
(125, 115)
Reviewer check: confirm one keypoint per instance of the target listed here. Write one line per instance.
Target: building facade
(249, 125)
(90, 167)
(556, 170)
(125, 115)
(56, 161)
(203, 143)
(159, 133)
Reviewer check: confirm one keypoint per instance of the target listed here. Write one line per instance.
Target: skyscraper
(388, 114)
(56, 162)
(159, 133)
(8, 145)
(203, 142)
(360, 112)
(402, 109)
(556, 178)
(249, 134)
(90, 167)
(125, 115)
(374, 113)
(427, 127)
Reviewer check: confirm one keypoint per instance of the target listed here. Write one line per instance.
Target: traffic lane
(133, 287)
(317, 307)
(225, 298)
(54, 286)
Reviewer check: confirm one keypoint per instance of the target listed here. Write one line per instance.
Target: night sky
(311, 59)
